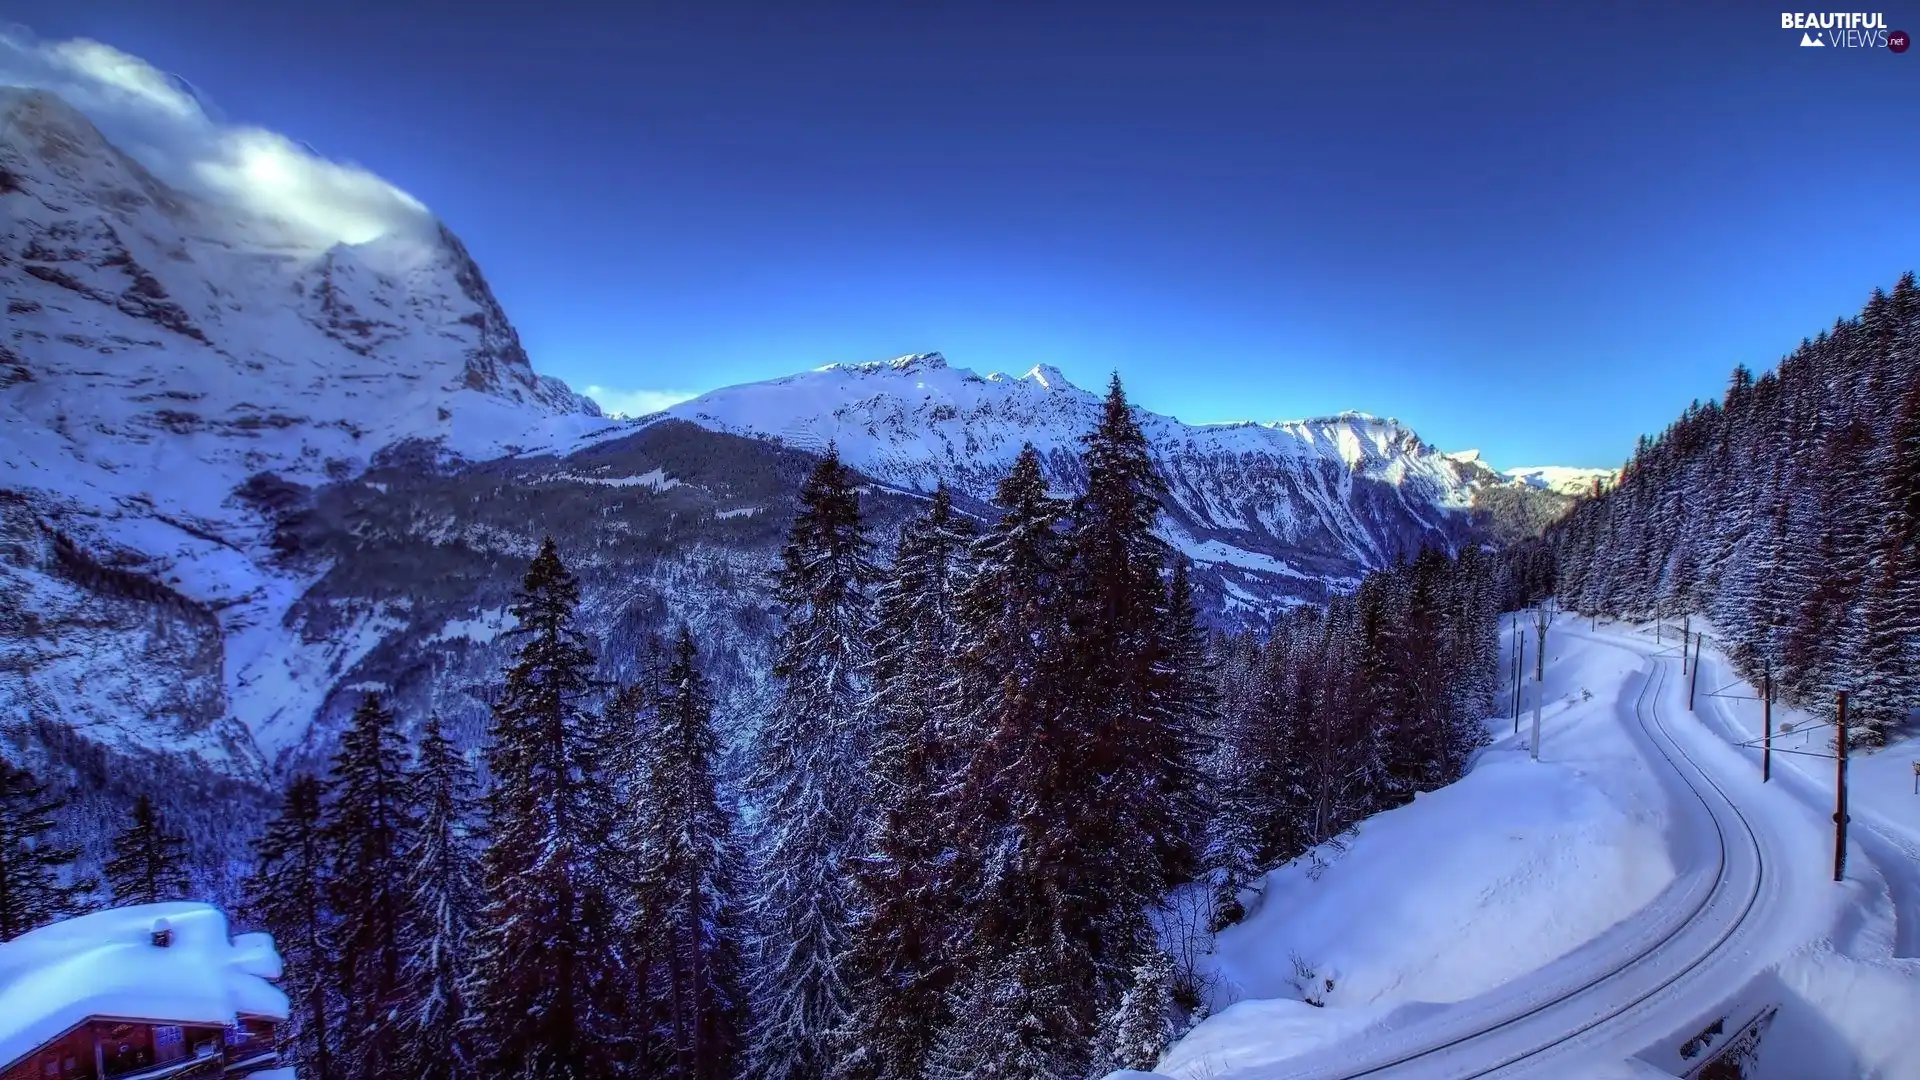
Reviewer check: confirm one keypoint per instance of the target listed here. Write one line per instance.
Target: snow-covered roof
(106, 964)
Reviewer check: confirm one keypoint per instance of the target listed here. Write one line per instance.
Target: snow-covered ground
(1585, 915)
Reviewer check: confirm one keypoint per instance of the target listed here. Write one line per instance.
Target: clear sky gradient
(1536, 229)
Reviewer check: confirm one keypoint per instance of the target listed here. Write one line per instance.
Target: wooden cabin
(149, 1049)
(140, 993)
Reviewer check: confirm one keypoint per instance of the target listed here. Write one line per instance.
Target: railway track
(1508, 1034)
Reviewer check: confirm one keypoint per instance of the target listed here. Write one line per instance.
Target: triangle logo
(1808, 40)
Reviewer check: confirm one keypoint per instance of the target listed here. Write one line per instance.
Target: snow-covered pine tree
(286, 896)
(369, 826)
(443, 884)
(1012, 1021)
(548, 989)
(1193, 701)
(809, 776)
(36, 884)
(1137, 812)
(149, 863)
(1232, 855)
(629, 733)
(1026, 986)
(687, 870)
(897, 966)
(1282, 758)
(1138, 1030)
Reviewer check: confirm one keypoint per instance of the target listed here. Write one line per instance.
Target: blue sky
(1535, 232)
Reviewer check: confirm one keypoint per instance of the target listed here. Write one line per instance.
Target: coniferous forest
(1787, 513)
(996, 748)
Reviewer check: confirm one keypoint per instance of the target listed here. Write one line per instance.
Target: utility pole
(1519, 665)
(1695, 684)
(1766, 713)
(1840, 791)
(1542, 618)
(1686, 631)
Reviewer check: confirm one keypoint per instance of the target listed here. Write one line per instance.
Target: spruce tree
(36, 883)
(1192, 714)
(1140, 1027)
(1027, 982)
(630, 733)
(1012, 1021)
(369, 828)
(444, 902)
(1231, 855)
(286, 895)
(687, 872)
(547, 995)
(1137, 809)
(897, 966)
(149, 862)
(809, 774)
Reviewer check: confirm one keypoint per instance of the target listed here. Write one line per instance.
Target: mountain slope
(168, 366)
(1271, 513)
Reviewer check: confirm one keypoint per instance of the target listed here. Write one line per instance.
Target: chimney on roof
(162, 934)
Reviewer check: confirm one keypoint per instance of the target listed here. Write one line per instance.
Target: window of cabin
(169, 1043)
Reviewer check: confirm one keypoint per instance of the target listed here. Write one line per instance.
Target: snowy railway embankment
(1632, 904)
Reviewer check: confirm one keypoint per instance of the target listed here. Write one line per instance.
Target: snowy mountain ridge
(1316, 499)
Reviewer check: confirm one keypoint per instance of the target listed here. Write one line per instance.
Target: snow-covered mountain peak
(161, 348)
(1047, 377)
(44, 138)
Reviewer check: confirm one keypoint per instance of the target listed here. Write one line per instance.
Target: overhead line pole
(1695, 684)
(1766, 713)
(1840, 792)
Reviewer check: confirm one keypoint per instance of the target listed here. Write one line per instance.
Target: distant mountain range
(248, 475)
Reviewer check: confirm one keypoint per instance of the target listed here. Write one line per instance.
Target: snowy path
(1750, 919)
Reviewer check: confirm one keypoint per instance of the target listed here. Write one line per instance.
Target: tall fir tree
(1025, 995)
(287, 896)
(1012, 1021)
(149, 861)
(1140, 1027)
(630, 732)
(898, 966)
(37, 881)
(369, 828)
(687, 868)
(444, 900)
(809, 775)
(549, 977)
(1135, 815)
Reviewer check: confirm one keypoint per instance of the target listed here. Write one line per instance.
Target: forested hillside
(1788, 513)
(992, 755)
